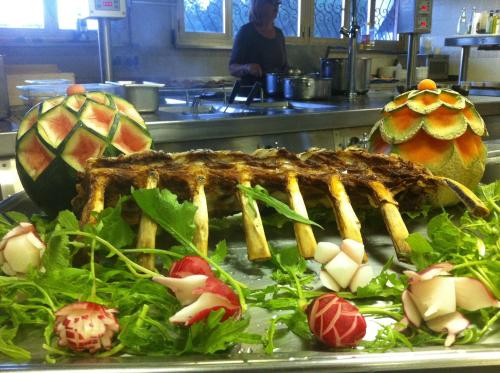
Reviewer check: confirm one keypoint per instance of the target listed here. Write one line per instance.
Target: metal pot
(306, 87)
(274, 84)
(144, 96)
(336, 69)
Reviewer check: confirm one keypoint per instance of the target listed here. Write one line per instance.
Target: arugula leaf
(261, 194)
(213, 334)
(490, 194)
(57, 254)
(220, 252)
(113, 227)
(420, 248)
(68, 220)
(162, 206)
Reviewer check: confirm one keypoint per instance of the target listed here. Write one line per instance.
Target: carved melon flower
(437, 128)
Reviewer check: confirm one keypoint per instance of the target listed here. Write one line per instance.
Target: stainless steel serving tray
(292, 354)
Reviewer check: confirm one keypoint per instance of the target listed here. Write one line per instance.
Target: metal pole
(411, 61)
(464, 64)
(352, 51)
(104, 41)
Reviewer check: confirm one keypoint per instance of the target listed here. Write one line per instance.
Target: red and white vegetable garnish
(190, 265)
(433, 295)
(213, 296)
(343, 266)
(86, 326)
(195, 286)
(20, 250)
(183, 288)
(336, 322)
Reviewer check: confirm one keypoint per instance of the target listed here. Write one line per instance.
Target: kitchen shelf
(466, 42)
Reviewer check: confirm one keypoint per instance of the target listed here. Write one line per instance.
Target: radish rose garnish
(335, 321)
(86, 326)
(433, 296)
(343, 266)
(20, 250)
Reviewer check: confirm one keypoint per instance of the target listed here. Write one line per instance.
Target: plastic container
(32, 94)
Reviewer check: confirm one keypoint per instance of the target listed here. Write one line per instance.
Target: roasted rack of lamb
(336, 179)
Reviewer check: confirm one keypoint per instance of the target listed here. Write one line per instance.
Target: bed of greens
(98, 265)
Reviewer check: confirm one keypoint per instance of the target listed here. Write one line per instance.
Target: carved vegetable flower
(437, 128)
(86, 326)
(195, 286)
(433, 296)
(343, 266)
(20, 250)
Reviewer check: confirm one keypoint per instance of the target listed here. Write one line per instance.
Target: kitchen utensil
(336, 68)
(144, 96)
(256, 89)
(4, 96)
(232, 96)
(274, 84)
(306, 87)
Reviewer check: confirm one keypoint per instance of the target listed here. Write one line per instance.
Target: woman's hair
(254, 15)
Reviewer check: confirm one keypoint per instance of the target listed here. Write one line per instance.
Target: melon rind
(460, 100)
(451, 127)
(129, 110)
(51, 103)
(124, 129)
(474, 120)
(28, 121)
(415, 101)
(93, 147)
(99, 118)
(394, 135)
(32, 152)
(99, 97)
(397, 102)
(75, 102)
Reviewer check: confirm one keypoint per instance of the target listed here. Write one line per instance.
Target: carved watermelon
(437, 128)
(57, 136)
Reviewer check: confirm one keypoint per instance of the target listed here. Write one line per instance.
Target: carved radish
(342, 266)
(86, 326)
(195, 286)
(213, 296)
(183, 288)
(336, 322)
(20, 250)
(190, 265)
(433, 296)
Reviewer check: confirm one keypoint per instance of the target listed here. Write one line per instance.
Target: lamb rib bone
(146, 236)
(322, 175)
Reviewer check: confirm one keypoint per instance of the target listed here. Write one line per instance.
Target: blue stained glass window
(328, 18)
(204, 16)
(384, 18)
(287, 21)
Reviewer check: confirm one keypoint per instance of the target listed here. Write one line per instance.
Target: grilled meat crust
(223, 170)
(333, 179)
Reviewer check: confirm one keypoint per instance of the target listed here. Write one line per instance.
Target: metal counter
(314, 124)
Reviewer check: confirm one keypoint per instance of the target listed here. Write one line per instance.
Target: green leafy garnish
(259, 193)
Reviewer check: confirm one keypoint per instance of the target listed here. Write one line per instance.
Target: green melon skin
(52, 188)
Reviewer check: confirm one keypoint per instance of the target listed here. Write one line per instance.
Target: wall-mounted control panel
(107, 9)
(414, 16)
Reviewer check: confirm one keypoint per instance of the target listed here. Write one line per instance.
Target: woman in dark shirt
(259, 46)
